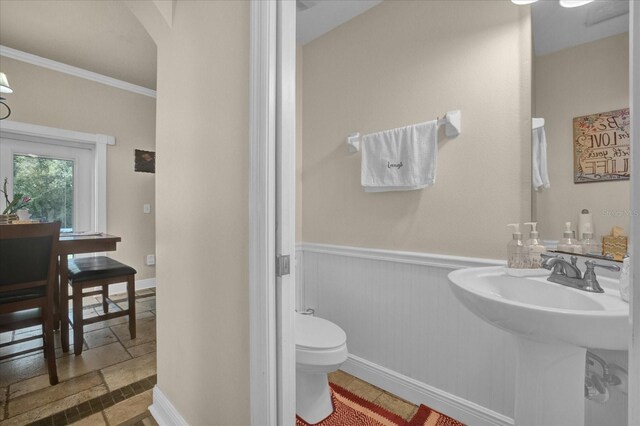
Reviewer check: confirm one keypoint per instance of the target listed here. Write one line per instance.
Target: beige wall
(582, 80)
(405, 62)
(53, 99)
(202, 221)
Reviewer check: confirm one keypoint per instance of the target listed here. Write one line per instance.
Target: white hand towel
(400, 159)
(540, 176)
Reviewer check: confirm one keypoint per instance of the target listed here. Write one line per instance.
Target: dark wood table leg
(56, 298)
(64, 303)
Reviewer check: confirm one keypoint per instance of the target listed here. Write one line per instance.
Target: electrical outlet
(146, 208)
(151, 259)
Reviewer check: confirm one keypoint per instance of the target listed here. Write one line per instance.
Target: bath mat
(426, 416)
(351, 410)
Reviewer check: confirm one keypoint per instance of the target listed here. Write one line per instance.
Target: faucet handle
(590, 280)
(592, 263)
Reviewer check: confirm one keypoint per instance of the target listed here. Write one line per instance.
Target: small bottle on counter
(515, 249)
(585, 221)
(533, 248)
(568, 243)
(589, 244)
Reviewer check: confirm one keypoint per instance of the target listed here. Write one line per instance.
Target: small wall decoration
(145, 161)
(601, 150)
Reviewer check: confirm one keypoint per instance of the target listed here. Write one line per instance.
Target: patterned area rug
(428, 417)
(351, 410)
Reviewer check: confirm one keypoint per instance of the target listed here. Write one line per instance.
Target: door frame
(634, 307)
(264, 374)
(271, 170)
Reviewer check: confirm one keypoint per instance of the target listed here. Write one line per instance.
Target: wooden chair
(89, 272)
(28, 258)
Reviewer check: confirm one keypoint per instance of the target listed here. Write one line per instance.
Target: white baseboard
(140, 285)
(163, 411)
(421, 393)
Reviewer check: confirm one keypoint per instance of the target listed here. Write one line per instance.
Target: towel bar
(451, 122)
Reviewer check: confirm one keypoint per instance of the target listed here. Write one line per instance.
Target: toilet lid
(318, 333)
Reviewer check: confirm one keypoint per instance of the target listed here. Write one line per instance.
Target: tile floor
(364, 390)
(110, 383)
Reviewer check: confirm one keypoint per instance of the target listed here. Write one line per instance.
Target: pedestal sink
(553, 325)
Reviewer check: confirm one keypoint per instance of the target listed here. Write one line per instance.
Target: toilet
(321, 347)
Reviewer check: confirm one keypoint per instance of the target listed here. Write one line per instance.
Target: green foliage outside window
(49, 183)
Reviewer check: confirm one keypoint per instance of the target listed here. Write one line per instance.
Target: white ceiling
(104, 37)
(556, 28)
(321, 16)
(99, 36)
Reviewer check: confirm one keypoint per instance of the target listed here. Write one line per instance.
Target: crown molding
(39, 61)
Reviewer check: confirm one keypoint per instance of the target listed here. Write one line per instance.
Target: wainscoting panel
(407, 333)
(399, 314)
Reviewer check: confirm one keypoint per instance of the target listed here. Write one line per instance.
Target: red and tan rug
(429, 417)
(351, 410)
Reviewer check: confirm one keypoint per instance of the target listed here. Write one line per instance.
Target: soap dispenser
(515, 249)
(589, 244)
(568, 243)
(533, 248)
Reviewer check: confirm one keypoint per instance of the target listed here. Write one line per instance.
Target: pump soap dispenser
(568, 244)
(515, 249)
(589, 244)
(533, 248)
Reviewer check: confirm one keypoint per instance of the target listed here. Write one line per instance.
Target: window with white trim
(68, 167)
(58, 177)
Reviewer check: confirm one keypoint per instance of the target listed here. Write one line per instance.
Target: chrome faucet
(565, 273)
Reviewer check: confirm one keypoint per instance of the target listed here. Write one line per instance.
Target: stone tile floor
(371, 393)
(108, 384)
(111, 382)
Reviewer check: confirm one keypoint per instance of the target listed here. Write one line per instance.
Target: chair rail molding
(413, 258)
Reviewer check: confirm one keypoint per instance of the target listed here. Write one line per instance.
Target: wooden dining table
(75, 244)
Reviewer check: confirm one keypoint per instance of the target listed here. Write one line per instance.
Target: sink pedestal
(549, 384)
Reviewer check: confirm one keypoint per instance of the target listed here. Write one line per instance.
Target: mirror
(580, 68)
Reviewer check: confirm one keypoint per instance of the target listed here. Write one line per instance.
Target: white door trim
(262, 184)
(634, 338)
(285, 209)
(272, 172)
(35, 133)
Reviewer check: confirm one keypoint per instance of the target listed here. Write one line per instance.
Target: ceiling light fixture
(563, 3)
(574, 3)
(5, 88)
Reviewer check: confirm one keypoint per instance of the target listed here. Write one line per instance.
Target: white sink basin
(552, 325)
(540, 310)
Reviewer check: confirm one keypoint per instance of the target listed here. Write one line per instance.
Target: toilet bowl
(321, 347)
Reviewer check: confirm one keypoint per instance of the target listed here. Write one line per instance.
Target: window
(63, 171)
(58, 178)
(49, 183)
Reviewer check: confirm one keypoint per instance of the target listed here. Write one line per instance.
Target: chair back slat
(27, 254)
(24, 259)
